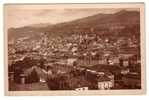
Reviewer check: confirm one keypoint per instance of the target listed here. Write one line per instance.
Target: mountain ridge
(98, 22)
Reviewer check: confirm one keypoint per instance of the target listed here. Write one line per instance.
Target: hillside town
(77, 62)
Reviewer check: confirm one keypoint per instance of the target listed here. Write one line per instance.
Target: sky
(22, 15)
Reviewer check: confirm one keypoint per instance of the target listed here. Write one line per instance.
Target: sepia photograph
(74, 49)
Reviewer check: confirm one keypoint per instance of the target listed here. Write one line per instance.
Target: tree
(33, 77)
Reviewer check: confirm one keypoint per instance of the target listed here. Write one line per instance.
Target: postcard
(74, 49)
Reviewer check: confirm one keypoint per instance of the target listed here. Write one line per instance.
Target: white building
(105, 83)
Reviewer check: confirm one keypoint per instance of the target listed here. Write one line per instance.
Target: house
(104, 83)
(111, 77)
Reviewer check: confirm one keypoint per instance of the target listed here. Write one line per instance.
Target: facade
(104, 85)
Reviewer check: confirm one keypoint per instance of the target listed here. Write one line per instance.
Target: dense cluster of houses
(102, 63)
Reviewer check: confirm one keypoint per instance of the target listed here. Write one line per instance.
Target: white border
(90, 92)
(2, 97)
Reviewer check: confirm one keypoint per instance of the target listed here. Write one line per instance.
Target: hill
(122, 23)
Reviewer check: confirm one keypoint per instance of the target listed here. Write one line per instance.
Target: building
(104, 83)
